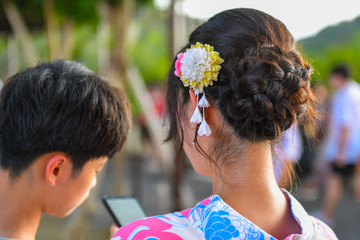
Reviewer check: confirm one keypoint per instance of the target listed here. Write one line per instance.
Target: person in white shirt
(343, 141)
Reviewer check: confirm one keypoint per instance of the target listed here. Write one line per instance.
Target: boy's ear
(57, 167)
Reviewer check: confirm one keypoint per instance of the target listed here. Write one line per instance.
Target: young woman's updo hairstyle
(263, 86)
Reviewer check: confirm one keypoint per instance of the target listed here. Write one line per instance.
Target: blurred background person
(342, 143)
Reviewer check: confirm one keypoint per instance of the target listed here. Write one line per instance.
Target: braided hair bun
(269, 91)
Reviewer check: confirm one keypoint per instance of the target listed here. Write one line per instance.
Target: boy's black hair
(60, 106)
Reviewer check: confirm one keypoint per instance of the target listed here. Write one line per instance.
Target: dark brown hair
(263, 86)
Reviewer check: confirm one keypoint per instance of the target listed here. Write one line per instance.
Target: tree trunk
(121, 15)
(103, 39)
(13, 59)
(177, 27)
(21, 32)
(52, 30)
(68, 41)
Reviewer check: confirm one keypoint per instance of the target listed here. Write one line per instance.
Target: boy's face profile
(68, 191)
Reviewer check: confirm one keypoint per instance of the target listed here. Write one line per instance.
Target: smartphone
(123, 209)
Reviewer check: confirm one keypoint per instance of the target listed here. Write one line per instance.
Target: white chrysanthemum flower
(195, 63)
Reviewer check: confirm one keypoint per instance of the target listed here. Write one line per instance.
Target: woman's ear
(193, 98)
(57, 167)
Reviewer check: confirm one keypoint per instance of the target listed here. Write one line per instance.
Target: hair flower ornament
(197, 68)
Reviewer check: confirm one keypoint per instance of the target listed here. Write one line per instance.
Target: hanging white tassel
(197, 92)
(204, 102)
(196, 117)
(204, 128)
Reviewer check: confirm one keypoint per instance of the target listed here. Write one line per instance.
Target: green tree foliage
(332, 46)
(82, 11)
(150, 48)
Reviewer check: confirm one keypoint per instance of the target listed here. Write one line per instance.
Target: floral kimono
(213, 219)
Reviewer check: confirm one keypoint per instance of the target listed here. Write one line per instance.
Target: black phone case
(112, 214)
(116, 221)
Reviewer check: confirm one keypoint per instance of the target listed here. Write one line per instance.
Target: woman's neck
(20, 214)
(248, 185)
(245, 177)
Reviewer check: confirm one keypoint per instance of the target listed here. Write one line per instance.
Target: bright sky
(302, 17)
